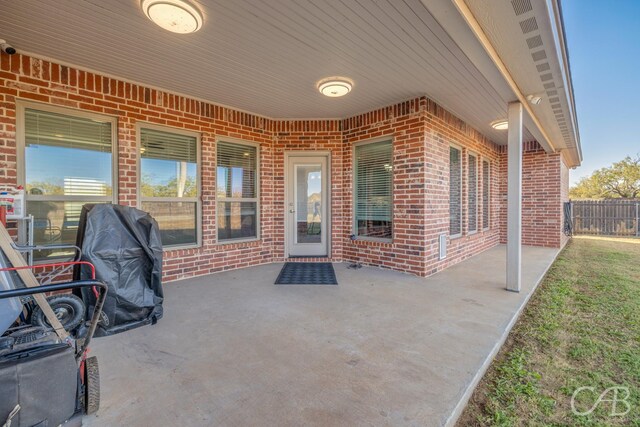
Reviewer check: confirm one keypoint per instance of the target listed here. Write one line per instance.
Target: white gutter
(555, 11)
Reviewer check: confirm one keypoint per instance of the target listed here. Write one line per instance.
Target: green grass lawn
(581, 328)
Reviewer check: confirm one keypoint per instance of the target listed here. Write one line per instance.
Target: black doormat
(307, 273)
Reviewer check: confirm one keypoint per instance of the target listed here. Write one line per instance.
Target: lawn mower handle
(95, 318)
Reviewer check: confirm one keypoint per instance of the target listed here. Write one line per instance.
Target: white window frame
(459, 148)
(197, 199)
(488, 227)
(354, 222)
(476, 157)
(21, 144)
(256, 199)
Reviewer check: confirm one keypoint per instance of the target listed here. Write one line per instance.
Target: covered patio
(381, 348)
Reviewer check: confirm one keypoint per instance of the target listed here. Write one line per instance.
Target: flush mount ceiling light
(177, 16)
(500, 124)
(335, 87)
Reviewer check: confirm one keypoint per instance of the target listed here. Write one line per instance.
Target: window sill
(237, 241)
(180, 247)
(372, 240)
(455, 236)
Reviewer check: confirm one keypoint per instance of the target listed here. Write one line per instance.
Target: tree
(620, 180)
(175, 187)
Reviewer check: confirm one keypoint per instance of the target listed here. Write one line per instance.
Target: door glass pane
(308, 203)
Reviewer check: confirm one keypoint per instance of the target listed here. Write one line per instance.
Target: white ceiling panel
(266, 57)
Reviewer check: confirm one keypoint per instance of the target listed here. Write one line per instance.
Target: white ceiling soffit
(528, 37)
(266, 57)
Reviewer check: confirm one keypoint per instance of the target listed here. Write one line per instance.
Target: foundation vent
(442, 239)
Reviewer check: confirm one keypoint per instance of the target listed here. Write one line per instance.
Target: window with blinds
(237, 191)
(486, 185)
(373, 190)
(472, 194)
(455, 192)
(169, 190)
(68, 162)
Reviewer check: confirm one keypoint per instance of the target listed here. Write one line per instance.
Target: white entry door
(306, 201)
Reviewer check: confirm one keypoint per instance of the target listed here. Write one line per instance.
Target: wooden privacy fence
(611, 217)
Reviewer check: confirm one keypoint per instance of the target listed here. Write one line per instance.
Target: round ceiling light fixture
(335, 87)
(177, 16)
(500, 125)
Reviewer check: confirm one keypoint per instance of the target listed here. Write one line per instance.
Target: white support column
(514, 198)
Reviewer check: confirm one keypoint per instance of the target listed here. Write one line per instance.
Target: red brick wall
(405, 124)
(443, 130)
(421, 132)
(307, 135)
(545, 184)
(32, 79)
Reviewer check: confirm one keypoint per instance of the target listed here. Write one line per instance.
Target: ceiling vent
(529, 25)
(539, 55)
(533, 42)
(521, 6)
(543, 67)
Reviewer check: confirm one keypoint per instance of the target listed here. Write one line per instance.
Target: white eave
(266, 58)
(525, 41)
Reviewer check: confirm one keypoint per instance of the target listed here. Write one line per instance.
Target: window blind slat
(472, 193)
(236, 156)
(455, 191)
(485, 194)
(374, 175)
(237, 170)
(168, 146)
(237, 179)
(60, 130)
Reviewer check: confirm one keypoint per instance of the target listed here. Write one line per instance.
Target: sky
(53, 164)
(604, 53)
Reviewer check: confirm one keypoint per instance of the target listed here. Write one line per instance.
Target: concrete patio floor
(382, 348)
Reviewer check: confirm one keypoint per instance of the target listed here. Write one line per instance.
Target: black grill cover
(124, 245)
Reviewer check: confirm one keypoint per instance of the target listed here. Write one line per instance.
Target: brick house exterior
(421, 130)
